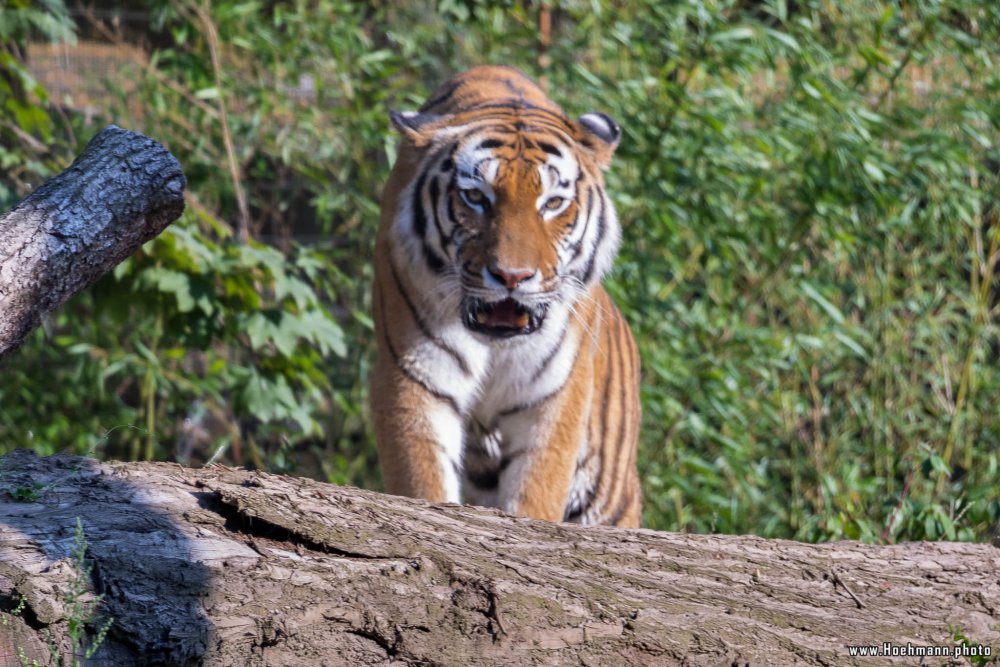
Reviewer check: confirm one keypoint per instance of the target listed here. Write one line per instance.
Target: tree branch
(123, 190)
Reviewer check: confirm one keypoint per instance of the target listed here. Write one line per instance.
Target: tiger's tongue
(506, 314)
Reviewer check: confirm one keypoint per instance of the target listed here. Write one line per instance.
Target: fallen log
(220, 566)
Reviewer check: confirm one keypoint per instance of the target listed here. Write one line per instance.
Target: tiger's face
(516, 213)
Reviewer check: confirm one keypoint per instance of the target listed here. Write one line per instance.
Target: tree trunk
(226, 567)
(123, 190)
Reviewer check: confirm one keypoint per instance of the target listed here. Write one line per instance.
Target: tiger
(505, 376)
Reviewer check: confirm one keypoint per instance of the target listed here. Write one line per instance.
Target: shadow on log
(226, 567)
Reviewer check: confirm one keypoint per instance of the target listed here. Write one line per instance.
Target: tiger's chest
(497, 380)
(512, 409)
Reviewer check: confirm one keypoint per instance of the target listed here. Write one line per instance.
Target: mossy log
(218, 566)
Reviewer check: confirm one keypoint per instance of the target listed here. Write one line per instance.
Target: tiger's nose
(512, 278)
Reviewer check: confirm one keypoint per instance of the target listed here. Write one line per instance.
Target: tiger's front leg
(541, 448)
(420, 437)
(418, 423)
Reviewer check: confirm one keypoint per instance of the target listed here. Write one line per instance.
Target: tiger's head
(508, 201)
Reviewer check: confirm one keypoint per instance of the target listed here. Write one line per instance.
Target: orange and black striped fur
(505, 375)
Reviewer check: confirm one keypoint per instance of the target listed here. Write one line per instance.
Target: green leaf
(850, 344)
(874, 171)
(822, 302)
(784, 38)
(733, 35)
(210, 93)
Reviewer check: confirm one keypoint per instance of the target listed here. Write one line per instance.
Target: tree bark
(220, 566)
(123, 190)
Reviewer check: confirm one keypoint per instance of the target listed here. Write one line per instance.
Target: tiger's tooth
(481, 317)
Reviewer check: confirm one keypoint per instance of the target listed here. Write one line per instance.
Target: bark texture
(226, 567)
(123, 190)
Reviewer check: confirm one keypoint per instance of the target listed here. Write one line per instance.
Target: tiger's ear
(415, 126)
(600, 134)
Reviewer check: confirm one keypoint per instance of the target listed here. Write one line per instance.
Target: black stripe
(552, 353)
(631, 494)
(448, 163)
(433, 260)
(628, 496)
(446, 398)
(527, 406)
(452, 218)
(577, 246)
(603, 416)
(419, 219)
(518, 105)
(529, 112)
(490, 143)
(508, 459)
(450, 208)
(522, 111)
(513, 87)
(558, 122)
(434, 192)
(601, 223)
(446, 94)
(536, 126)
(544, 122)
(624, 503)
(550, 149)
(617, 448)
(424, 329)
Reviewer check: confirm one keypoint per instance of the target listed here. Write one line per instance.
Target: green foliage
(80, 607)
(978, 654)
(26, 126)
(181, 296)
(15, 611)
(811, 289)
(80, 613)
(808, 197)
(28, 494)
(5, 620)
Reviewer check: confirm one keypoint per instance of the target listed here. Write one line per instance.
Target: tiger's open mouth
(502, 319)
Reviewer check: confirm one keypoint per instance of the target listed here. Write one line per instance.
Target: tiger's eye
(475, 197)
(554, 203)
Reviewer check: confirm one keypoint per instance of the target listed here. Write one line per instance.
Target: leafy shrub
(27, 127)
